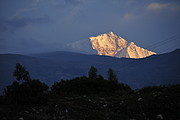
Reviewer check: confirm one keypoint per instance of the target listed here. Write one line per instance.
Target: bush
(86, 86)
(32, 92)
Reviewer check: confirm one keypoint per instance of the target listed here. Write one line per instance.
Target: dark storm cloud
(16, 23)
(144, 22)
(59, 3)
(74, 1)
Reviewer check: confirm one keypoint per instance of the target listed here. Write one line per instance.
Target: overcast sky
(30, 26)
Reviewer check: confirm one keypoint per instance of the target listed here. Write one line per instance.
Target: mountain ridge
(112, 45)
(153, 70)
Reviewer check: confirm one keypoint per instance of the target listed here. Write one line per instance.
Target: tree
(28, 91)
(100, 78)
(92, 73)
(112, 76)
(21, 73)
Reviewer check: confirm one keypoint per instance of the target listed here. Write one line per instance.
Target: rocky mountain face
(112, 45)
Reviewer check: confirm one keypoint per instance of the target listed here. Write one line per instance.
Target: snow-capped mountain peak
(112, 45)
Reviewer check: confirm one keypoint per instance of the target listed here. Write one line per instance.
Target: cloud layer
(16, 23)
(67, 24)
(163, 6)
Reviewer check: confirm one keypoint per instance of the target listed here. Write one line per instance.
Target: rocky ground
(160, 105)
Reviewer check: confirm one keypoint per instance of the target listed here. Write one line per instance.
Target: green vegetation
(86, 86)
(87, 98)
(92, 73)
(24, 90)
(93, 85)
(112, 76)
(21, 73)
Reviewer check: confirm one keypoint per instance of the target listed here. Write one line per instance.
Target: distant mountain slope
(50, 67)
(112, 45)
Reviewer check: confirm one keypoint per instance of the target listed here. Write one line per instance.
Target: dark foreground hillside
(151, 103)
(89, 97)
